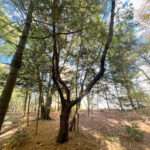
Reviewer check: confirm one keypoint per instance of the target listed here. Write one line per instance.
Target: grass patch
(134, 133)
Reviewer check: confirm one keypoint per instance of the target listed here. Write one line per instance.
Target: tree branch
(100, 74)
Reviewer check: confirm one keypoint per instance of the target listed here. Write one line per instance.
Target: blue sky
(7, 59)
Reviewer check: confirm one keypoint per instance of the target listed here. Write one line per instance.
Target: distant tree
(123, 56)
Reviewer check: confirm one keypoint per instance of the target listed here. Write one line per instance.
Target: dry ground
(109, 127)
(103, 130)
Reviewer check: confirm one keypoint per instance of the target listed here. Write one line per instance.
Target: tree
(15, 67)
(65, 96)
(123, 57)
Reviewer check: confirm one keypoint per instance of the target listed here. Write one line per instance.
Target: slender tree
(15, 66)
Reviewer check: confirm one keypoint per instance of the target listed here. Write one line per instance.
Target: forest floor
(103, 130)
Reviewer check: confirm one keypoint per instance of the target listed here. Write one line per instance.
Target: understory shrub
(18, 139)
(134, 133)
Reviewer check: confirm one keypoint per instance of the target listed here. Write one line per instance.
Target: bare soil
(103, 130)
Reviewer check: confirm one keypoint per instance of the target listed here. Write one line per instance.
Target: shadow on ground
(110, 127)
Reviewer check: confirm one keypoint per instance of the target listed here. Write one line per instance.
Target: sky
(136, 4)
(5, 59)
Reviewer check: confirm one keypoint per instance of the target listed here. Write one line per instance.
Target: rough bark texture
(64, 125)
(15, 67)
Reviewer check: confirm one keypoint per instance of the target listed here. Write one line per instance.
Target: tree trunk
(25, 103)
(88, 102)
(41, 98)
(64, 125)
(42, 117)
(15, 67)
(107, 101)
(45, 108)
(58, 104)
(48, 108)
(62, 86)
(74, 123)
(38, 112)
(130, 98)
(28, 112)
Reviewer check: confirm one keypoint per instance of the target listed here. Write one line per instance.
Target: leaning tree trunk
(15, 67)
(64, 124)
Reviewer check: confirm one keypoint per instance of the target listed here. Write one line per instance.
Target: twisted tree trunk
(62, 86)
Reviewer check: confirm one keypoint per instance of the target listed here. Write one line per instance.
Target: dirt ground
(103, 130)
(109, 127)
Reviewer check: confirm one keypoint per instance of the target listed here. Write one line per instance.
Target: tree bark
(15, 67)
(28, 112)
(25, 103)
(74, 123)
(48, 107)
(58, 104)
(45, 109)
(38, 111)
(64, 125)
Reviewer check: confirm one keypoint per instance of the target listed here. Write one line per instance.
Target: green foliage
(9, 33)
(134, 133)
(3, 74)
(79, 51)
